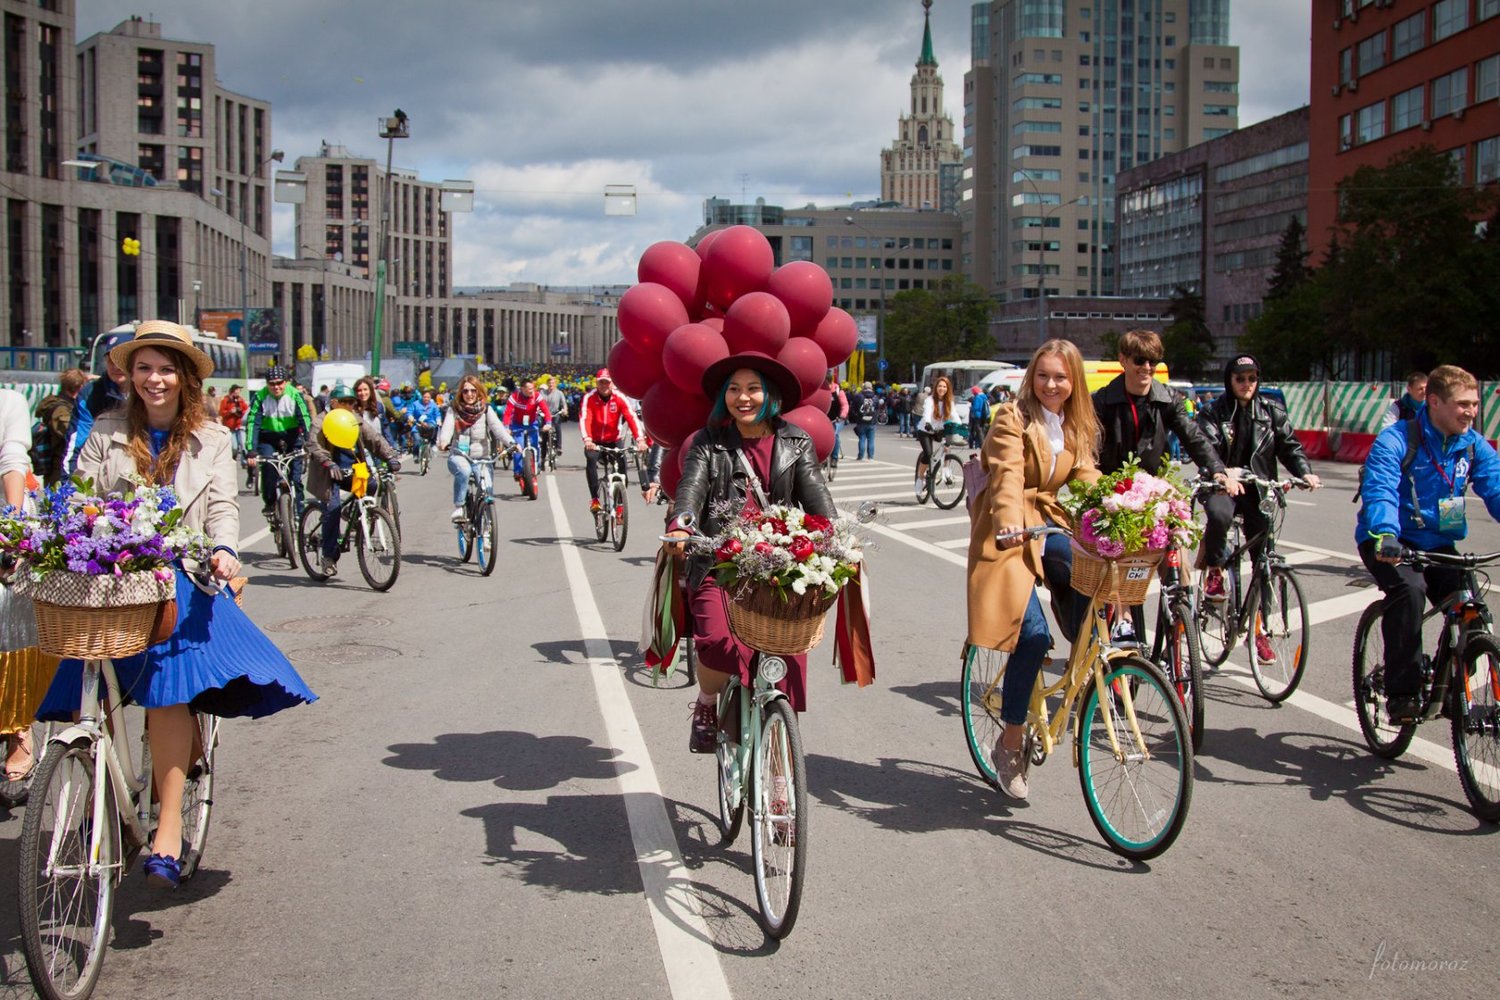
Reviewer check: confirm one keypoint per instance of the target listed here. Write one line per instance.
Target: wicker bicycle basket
(94, 617)
(1124, 580)
(763, 620)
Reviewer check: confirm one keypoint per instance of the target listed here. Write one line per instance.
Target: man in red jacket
(599, 417)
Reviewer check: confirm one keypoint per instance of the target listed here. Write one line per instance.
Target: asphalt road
(491, 798)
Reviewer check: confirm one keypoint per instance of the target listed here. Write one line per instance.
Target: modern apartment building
(912, 168)
(1062, 96)
(1388, 75)
(1210, 219)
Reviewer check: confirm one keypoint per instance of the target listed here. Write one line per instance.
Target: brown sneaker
(704, 736)
(1010, 772)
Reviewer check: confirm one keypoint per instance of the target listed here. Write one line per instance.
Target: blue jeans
(330, 529)
(838, 451)
(1025, 663)
(459, 466)
(866, 435)
(526, 434)
(903, 422)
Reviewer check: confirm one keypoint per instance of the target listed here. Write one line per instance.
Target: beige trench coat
(1000, 581)
(205, 482)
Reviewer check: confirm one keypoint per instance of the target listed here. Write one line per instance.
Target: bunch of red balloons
(696, 306)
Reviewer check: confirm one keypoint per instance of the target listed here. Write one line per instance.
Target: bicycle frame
(614, 459)
(752, 712)
(1458, 610)
(1273, 505)
(531, 435)
(478, 493)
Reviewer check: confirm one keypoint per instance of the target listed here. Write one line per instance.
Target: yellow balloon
(341, 428)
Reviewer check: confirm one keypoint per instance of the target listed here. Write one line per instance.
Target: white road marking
(954, 543)
(933, 523)
(686, 945)
(1326, 553)
(254, 537)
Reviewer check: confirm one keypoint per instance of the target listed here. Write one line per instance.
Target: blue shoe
(163, 871)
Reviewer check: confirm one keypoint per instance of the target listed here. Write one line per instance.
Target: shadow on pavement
(514, 760)
(574, 651)
(939, 695)
(570, 843)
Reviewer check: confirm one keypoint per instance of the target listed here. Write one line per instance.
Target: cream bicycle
(1130, 736)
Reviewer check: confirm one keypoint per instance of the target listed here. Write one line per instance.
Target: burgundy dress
(717, 647)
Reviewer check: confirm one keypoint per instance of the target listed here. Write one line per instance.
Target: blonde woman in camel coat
(1035, 447)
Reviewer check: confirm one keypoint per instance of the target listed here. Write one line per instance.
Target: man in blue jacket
(1417, 501)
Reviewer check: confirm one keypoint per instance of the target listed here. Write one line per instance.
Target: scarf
(467, 415)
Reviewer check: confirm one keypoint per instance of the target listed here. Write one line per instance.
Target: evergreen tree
(1187, 341)
(1291, 261)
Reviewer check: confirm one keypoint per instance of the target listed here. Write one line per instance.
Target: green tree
(947, 322)
(1188, 344)
(1291, 270)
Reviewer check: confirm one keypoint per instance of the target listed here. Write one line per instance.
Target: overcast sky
(542, 104)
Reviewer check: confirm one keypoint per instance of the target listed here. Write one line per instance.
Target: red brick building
(1388, 75)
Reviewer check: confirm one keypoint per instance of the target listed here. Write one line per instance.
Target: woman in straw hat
(216, 660)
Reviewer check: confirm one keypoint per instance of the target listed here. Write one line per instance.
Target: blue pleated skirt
(216, 661)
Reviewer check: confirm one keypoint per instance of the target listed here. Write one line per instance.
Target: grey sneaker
(330, 567)
(1010, 772)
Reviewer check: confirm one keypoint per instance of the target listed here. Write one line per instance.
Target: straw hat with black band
(163, 334)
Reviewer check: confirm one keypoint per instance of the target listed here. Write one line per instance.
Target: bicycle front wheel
(1476, 725)
(619, 515)
(1215, 621)
(1282, 624)
(379, 549)
(66, 899)
(948, 483)
(390, 504)
(1138, 798)
(487, 538)
(730, 774)
(310, 541)
(198, 795)
(528, 475)
(979, 700)
(1182, 661)
(1382, 737)
(830, 469)
(286, 528)
(923, 482)
(778, 841)
(426, 457)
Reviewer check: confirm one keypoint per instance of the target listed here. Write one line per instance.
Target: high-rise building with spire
(911, 169)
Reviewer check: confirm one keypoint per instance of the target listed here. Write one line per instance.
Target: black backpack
(867, 406)
(1413, 442)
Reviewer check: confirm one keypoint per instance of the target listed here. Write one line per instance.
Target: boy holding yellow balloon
(340, 440)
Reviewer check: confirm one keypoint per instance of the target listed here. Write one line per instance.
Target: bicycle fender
(75, 732)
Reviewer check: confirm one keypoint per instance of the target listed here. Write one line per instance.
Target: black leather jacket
(1272, 432)
(1163, 410)
(712, 472)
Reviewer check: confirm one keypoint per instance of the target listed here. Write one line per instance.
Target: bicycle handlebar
(1247, 478)
(1465, 560)
(1036, 532)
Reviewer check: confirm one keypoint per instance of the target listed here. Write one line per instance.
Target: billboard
(866, 326)
(265, 327)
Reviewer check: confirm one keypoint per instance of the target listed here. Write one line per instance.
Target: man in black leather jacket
(1247, 431)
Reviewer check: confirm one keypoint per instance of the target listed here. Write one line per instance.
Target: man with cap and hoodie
(1247, 431)
(599, 418)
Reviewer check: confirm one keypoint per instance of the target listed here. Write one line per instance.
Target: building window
(1039, 19)
(1487, 160)
(1408, 35)
(1449, 17)
(1219, 109)
(1221, 87)
(1346, 66)
(1488, 9)
(1406, 109)
(1370, 124)
(1372, 53)
(1487, 78)
(1451, 92)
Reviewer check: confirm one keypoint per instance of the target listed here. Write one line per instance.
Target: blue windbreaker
(1386, 507)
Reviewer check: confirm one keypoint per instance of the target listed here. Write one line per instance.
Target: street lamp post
(391, 129)
(1041, 252)
(276, 156)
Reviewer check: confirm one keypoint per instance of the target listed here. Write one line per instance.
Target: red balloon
(739, 261)
(634, 373)
(671, 470)
(708, 240)
(837, 335)
(647, 313)
(818, 427)
(805, 359)
(806, 291)
(820, 400)
(675, 266)
(713, 323)
(757, 322)
(688, 352)
(673, 415)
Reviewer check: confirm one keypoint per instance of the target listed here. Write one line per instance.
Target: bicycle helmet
(277, 373)
(341, 391)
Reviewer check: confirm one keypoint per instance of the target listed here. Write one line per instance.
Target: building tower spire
(927, 58)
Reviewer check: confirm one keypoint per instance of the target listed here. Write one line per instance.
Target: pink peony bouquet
(1130, 511)
(786, 548)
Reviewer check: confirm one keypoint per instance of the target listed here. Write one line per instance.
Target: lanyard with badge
(1450, 508)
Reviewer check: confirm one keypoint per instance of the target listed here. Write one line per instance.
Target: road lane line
(683, 938)
(1328, 553)
(936, 522)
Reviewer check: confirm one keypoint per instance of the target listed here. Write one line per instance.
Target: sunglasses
(1247, 379)
(1141, 359)
(276, 383)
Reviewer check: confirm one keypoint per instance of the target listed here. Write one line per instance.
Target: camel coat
(1000, 581)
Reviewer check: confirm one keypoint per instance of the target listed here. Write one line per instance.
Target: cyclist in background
(425, 418)
(557, 403)
(1415, 499)
(1411, 400)
(333, 466)
(526, 414)
(599, 418)
(1246, 431)
(280, 421)
(232, 410)
(471, 430)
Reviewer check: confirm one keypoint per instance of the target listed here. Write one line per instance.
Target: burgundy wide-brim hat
(717, 373)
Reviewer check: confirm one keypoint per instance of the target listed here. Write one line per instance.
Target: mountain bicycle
(1130, 734)
(90, 815)
(422, 437)
(384, 492)
(1460, 679)
(527, 454)
(479, 531)
(366, 528)
(943, 482)
(549, 448)
(1176, 647)
(282, 520)
(612, 509)
(1270, 607)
